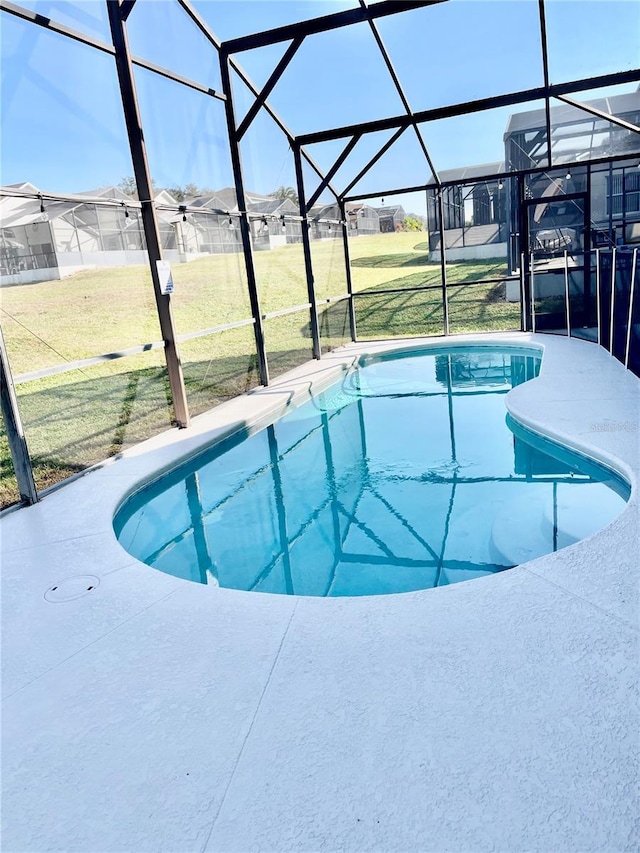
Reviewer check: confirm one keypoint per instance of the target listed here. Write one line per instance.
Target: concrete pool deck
(154, 714)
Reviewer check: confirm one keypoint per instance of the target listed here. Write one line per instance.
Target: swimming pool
(405, 475)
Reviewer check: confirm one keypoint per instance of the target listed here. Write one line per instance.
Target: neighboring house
(215, 230)
(484, 218)
(578, 208)
(166, 212)
(42, 240)
(362, 219)
(227, 196)
(26, 239)
(66, 237)
(614, 188)
(274, 228)
(324, 221)
(207, 232)
(474, 214)
(391, 218)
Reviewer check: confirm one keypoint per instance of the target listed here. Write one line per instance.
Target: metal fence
(606, 309)
(104, 355)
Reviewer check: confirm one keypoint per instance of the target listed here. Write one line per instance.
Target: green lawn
(400, 262)
(75, 419)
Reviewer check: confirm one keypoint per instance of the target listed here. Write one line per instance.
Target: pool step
(581, 511)
(524, 530)
(518, 532)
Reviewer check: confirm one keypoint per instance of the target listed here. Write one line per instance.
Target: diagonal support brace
(327, 178)
(587, 108)
(374, 160)
(125, 8)
(269, 86)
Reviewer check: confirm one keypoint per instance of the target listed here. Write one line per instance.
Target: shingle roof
(208, 201)
(107, 192)
(390, 210)
(325, 211)
(273, 205)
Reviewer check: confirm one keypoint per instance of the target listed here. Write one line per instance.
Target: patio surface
(154, 714)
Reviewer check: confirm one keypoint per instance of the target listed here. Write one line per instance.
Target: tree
(412, 223)
(286, 193)
(188, 191)
(191, 190)
(128, 186)
(419, 217)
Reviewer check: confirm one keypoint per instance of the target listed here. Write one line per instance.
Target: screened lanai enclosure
(199, 196)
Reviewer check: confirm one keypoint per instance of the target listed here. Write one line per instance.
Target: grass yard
(75, 419)
(401, 262)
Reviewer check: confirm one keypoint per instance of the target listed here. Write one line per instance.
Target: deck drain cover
(71, 588)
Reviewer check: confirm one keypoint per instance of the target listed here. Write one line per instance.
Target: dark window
(615, 194)
(632, 191)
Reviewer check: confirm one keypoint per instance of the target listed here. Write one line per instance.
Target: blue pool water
(405, 475)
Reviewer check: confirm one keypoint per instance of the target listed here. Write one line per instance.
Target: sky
(62, 125)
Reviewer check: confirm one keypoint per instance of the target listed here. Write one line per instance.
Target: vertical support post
(443, 262)
(598, 308)
(545, 72)
(245, 234)
(587, 251)
(347, 269)
(523, 301)
(15, 432)
(521, 214)
(567, 302)
(533, 298)
(149, 220)
(612, 238)
(632, 290)
(613, 297)
(306, 246)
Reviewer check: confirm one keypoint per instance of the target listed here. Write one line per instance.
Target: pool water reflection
(406, 475)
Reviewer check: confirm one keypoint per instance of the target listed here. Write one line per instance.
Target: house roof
(227, 196)
(325, 211)
(16, 211)
(468, 173)
(256, 197)
(617, 105)
(274, 205)
(108, 192)
(24, 187)
(529, 120)
(390, 210)
(255, 203)
(164, 197)
(356, 208)
(213, 202)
